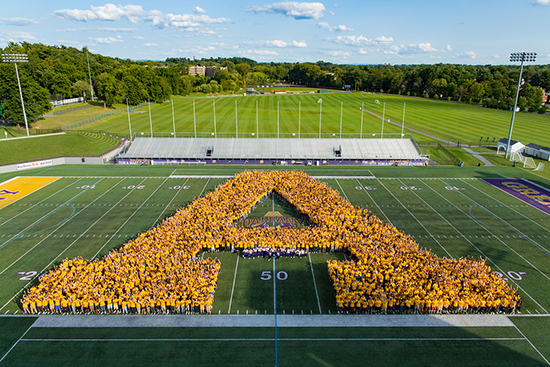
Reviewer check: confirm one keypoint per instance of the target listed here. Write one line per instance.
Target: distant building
(538, 151)
(207, 71)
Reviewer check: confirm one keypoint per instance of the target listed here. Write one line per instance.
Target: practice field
(455, 212)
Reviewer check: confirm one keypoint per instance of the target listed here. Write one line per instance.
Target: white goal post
(540, 167)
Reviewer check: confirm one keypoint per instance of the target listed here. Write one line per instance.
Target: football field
(455, 212)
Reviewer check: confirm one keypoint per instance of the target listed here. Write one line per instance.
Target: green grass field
(450, 210)
(445, 120)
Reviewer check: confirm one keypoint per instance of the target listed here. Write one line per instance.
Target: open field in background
(70, 143)
(91, 210)
(445, 120)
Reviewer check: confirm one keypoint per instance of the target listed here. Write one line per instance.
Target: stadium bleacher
(250, 150)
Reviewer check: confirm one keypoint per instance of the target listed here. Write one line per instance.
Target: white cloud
(150, 44)
(16, 37)
(136, 13)
(332, 13)
(199, 10)
(449, 48)
(342, 54)
(361, 40)
(100, 29)
(413, 49)
(137, 37)
(338, 28)
(264, 52)
(293, 9)
(426, 47)
(20, 22)
(281, 44)
(362, 51)
(543, 2)
(107, 40)
(105, 12)
(470, 54)
(76, 44)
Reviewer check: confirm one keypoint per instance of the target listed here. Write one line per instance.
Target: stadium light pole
(89, 74)
(129, 121)
(150, 118)
(277, 119)
(320, 101)
(403, 122)
(257, 128)
(383, 115)
(299, 117)
(236, 121)
(15, 58)
(194, 120)
(214, 107)
(361, 132)
(515, 57)
(341, 115)
(173, 117)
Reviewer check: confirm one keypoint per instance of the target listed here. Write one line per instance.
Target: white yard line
(130, 217)
(422, 225)
(482, 253)
(40, 202)
(507, 206)
(314, 283)
(233, 287)
(535, 348)
(72, 243)
(167, 205)
(17, 342)
(41, 219)
(204, 187)
(341, 189)
(58, 228)
(375, 203)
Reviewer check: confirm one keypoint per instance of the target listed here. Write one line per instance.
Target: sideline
(324, 321)
(31, 136)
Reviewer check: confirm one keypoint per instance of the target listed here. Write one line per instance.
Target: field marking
(167, 205)
(72, 243)
(532, 344)
(520, 234)
(48, 236)
(200, 195)
(341, 189)
(130, 217)
(233, 288)
(25, 185)
(477, 248)
(200, 176)
(508, 206)
(20, 234)
(40, 202)
(17, 342)
(267, 339)
(404, 207)
(501, 241)
(375, 203)
(314, 283)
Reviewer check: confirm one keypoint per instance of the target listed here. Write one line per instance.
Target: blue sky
(356, 32)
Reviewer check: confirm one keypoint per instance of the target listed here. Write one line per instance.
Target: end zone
(19, 187)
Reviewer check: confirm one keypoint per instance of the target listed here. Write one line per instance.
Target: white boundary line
(314, 283)
(271, 339)
(233, 288)
(167, 205)
(341, 189)
(204, 187)
(375, 203)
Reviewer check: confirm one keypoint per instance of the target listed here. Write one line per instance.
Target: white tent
(515, 146)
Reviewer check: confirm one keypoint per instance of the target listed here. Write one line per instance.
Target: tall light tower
(15, 58)
(515, 57)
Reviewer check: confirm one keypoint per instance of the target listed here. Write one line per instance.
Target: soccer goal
(517, 157)
(529, 162)
(540, 167)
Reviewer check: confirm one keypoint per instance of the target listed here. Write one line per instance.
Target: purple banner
(524, 190)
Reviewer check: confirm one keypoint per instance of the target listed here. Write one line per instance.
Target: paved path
(268, 321)
(478, 156)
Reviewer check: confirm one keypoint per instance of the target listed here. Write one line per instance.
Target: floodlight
(15, 58)
(518, 57)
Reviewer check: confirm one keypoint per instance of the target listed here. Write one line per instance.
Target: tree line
(60, 72)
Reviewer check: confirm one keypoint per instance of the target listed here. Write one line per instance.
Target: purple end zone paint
(524, 190)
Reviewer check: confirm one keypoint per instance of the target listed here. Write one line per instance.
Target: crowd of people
(159, 271)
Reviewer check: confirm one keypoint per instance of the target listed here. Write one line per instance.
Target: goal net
(540, 167)
(529, 162)
(517, 157)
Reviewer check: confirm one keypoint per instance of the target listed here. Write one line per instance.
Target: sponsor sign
(30, 165)
(536, 196)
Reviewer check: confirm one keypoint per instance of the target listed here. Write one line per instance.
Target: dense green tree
(107, 89)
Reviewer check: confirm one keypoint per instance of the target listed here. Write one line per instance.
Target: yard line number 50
(268, 275)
